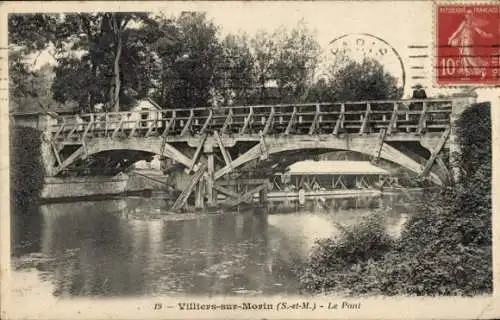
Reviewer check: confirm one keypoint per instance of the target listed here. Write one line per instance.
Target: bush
(445, 247)
(26, 167)
(332, 259)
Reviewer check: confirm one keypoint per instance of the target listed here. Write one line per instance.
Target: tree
(196, 66)
(289, 58)
(298, 60)
(264, 51)
(364, 81)
(107, 55)
(33, 91)
(350, 80)
(28, 35)
(235, 71)
(166, 51)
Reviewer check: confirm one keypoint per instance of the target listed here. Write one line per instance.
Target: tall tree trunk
(115, 88)
(117, 81)
(92, 93)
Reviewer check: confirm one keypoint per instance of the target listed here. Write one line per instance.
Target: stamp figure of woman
(463, 37)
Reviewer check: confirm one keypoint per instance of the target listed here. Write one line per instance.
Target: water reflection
(26, 226)
(126, 247)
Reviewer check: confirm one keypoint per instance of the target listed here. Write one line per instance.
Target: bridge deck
(404, 116)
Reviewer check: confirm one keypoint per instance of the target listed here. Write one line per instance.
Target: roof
(311, 167)
(145, 104)
(21, 114)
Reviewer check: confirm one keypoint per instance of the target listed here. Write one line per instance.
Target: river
(131, 247)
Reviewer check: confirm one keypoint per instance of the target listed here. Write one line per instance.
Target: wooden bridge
(221, 141)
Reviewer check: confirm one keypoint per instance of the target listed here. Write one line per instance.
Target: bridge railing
(308, 118)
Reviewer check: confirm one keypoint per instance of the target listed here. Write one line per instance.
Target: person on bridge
(418, 94)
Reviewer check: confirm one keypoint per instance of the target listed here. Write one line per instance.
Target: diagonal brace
(252, 153)
(435, 152)
(378, 146)
(197, 153)
(247, 196)
(264, 154)
(225, 154)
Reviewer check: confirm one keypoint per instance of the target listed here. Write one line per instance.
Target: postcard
(254, 159)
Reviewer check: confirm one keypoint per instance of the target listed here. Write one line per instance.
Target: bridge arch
(273, 146)
(387, 152)
(152, 145)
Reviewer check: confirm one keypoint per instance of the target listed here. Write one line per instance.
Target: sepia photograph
(226, 158)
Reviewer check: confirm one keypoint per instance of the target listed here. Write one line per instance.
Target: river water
(132, 246)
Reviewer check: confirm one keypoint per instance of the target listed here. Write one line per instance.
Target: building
(141, 111)
(316, 176)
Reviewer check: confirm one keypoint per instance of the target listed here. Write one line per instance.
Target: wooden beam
(68, 160)
(314, 124)
(241, 181)
(264, 154)
(247, 122)
(152, 125)
(207, 122)
(269, 121)
(291, 122)
(422, 120)
(225, 154)
(134, 128)
(247, 196)
(197, 152)
(85, 151)
(148, 177)
(435, 153)
(340, 121)
(59, 131)
(340, 182)
(171, 152)
(365, 119)
(118, 127)
(86, 131)
(199, 202)
(250, 154)
(169, 125)
(72, 131)
(226, 191)
(228, 121)
(195, 178)
(210, 177)
(187, 126)
(338, 124)
(394, 118)
(56, 153)
(378, 146)
(392, 154)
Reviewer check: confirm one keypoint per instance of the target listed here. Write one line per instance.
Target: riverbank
(94, 187)
(445, 248)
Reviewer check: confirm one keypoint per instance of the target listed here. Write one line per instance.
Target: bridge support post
(210, 178)
(263, 195)
(199, 194)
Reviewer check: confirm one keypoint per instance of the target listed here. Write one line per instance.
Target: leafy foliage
(445, 247)
(290, 58)
(26, 168)
(111, 60)
(355, 81)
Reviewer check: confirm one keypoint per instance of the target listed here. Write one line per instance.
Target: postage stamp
(253, 159)
(468, 44)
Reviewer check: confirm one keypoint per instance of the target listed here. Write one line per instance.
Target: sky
(399, 23)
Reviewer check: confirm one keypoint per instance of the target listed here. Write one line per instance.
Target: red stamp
(468, 44)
